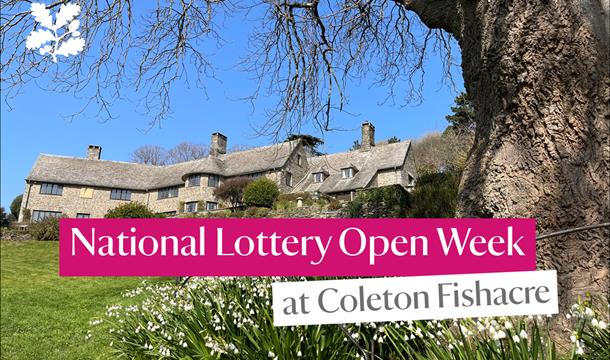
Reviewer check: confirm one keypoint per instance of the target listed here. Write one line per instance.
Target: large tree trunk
(538, 73)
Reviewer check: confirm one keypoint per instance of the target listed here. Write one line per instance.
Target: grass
(44, 316)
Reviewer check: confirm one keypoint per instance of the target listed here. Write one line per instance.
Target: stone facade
(87, 183)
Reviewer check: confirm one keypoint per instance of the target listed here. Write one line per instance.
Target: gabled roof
(126, 175)
(367, 163)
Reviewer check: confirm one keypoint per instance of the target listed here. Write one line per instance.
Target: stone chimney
(368, 136)
(218, 145)
(94, 152)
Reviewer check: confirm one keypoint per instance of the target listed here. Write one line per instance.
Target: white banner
(414, 298)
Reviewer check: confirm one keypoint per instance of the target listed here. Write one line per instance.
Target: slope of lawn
(44, 316)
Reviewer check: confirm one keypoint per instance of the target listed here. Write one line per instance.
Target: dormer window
(318, 177)
(194, 180)
(411, 180)
(299, 160)
(347, 173)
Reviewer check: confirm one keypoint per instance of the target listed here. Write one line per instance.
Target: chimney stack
(94, 152)
(368, 136)
(219, 144)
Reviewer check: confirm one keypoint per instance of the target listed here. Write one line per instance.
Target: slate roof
(126, 175)
(367, 164)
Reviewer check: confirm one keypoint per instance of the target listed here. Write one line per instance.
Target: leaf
(65, 14)
(37, 38)
(42, 15)
(74, 26)
(72, 46)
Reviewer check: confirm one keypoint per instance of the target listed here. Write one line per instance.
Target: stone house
(89, 187)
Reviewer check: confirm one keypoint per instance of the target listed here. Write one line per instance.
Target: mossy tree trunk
(538, 74)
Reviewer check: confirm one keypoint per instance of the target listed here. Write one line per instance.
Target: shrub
(231, 318)
(16, 206)
(27, 215)
(435, 196)
(3, 217)
(46, 229)
(383, 202)
(261, 192)
(232, 190)
(131, 210)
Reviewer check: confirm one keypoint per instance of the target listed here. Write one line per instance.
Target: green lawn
(44, 316)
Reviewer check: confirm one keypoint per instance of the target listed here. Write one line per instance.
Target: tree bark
(538, 74)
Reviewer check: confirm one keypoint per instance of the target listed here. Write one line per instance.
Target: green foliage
(261, 192)
(131, 210)
(384, 202)
(216, 318)
(46, 229)
(462, 118)
(3, 217)
(16, 205)
(27, 215)
(591, 335)
(393, 139)
(231, 318)
(310, 141)
(355, 145)
(232, 190)
(256, 212)
(435, 196)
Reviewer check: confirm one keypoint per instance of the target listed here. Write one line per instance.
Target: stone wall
(72, 202)
(305, 212)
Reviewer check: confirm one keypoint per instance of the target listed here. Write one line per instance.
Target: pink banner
(295, 247)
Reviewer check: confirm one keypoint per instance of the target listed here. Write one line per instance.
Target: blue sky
(36, 123)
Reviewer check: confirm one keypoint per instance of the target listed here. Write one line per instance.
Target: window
(42, 214)
(347, 173)
(411, 180)
(194, 180)
(318, 177)
(299, 159)
(190, 207)
(289, 178)
(166, 193)
(83, 216)
(120, 194)
(254, 175)
(51, 189)
(210, 205)
(213, 180)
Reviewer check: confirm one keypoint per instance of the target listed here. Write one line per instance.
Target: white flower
(270, 354)
(523, 334)
(516, 339)
(508, 325)
(499, 335)
(602, 324)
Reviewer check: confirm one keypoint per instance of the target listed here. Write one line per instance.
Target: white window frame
(211, 205)
(188, 204)
(350, 173)
(318, 177)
